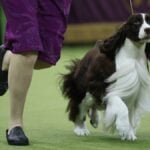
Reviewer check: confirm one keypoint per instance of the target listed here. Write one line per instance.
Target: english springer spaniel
(114, 77)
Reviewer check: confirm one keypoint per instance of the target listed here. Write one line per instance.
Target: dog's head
(137, 28)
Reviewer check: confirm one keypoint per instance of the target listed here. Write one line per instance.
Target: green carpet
(46, 122)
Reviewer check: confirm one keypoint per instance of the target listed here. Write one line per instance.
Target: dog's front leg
(117, 114)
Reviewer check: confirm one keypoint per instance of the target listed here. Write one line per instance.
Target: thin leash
(131, 7)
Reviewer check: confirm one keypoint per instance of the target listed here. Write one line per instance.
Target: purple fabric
(36, 25)
(84, 11)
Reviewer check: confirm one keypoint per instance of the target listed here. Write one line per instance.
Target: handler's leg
(19, 79)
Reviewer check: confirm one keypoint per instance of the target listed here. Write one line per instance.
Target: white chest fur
(131, 72)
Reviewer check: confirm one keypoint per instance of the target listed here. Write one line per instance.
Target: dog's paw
(81, 131)
(130, 136)
(125, 131)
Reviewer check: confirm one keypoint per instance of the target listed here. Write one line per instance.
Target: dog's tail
(70, 89)
(68, 85)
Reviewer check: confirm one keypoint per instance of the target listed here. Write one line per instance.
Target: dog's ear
(111, 45)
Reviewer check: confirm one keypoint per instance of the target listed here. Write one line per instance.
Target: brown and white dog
(113, 77)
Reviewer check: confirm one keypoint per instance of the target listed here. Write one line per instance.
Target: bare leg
(19, 79)
(20, 68)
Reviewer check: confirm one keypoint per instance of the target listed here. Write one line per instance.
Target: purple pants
(36, 25)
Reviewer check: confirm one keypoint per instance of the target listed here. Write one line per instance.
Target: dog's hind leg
(94, 117)
(117, 113)
(80, 127)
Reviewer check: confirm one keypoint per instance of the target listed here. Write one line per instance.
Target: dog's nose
(147, 30)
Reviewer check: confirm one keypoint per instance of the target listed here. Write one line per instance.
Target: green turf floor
(46, 123)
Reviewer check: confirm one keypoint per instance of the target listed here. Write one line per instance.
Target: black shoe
(3, 74)
(17, 137)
